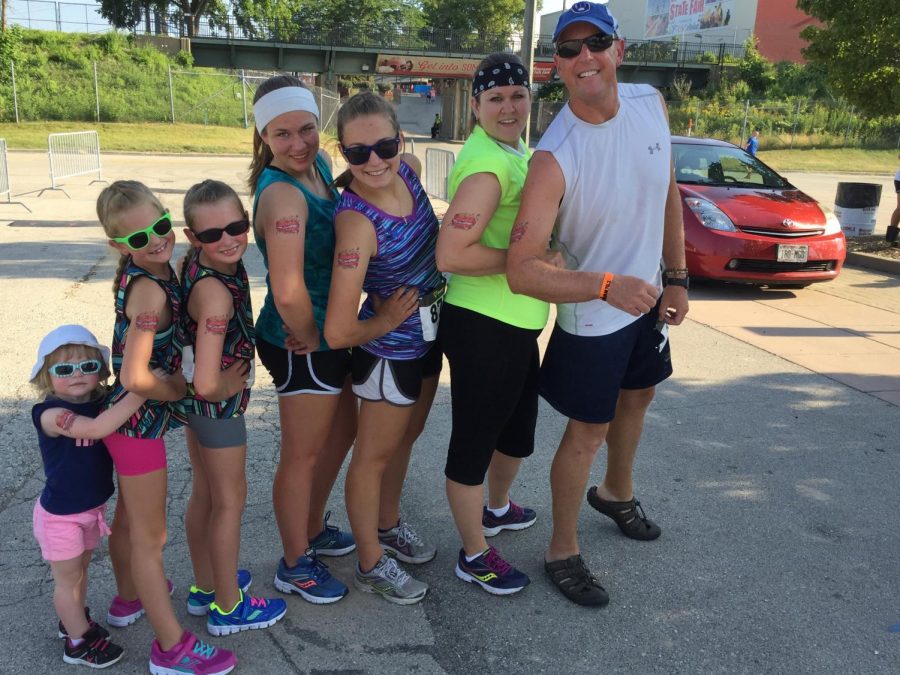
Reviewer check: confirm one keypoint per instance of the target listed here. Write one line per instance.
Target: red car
(745, 223)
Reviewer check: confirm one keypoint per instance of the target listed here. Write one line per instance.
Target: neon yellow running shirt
(490, 294)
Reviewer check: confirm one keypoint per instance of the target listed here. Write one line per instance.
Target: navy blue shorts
(581, 375)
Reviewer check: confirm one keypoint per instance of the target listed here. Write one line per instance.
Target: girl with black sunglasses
(216, 332)
(386, 233)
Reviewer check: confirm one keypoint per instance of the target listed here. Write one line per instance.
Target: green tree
(129, 14)
(755, 69)
(291, 19)
(497, 17)
(858, 48)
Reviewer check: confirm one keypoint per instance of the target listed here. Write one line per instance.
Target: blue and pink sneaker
(309, 578)
(248, 614)
(191, 655)
(198, 600)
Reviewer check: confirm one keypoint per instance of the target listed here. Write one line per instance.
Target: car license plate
(793, 253)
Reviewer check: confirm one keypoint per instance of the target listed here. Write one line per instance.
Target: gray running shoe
(390, 582)
(404, 543)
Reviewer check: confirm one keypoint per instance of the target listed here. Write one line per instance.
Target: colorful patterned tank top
(405, 257)
(153, 418)
(239, 336)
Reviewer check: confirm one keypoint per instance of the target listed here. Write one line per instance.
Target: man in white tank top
(603, 175)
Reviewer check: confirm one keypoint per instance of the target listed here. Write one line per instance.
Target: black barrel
(857, 195)
(855, 205)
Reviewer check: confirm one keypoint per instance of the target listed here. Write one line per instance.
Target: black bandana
(499, 75)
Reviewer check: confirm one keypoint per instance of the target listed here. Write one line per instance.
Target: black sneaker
(95, 650)
(572, 577)
(63, 633)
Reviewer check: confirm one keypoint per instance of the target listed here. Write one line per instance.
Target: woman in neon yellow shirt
(488, 334)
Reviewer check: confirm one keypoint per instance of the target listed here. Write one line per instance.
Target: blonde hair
(116, 199)
(70, 351)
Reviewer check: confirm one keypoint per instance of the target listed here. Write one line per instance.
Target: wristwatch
(684, 282)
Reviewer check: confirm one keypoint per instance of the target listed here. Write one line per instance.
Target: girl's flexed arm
(64, 422)
(282, 214)
(211, 304)
(148, 311)
(355, 246)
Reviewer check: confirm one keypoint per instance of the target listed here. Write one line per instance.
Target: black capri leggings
(493, 388)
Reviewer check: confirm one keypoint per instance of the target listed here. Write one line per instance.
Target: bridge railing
(439, 40)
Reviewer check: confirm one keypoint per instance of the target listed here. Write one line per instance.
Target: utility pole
(528, 48)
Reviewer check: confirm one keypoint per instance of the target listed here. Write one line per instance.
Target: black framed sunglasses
(138, 240)
(386, 148)
(66, 369)
(599, 42)
(214, 234)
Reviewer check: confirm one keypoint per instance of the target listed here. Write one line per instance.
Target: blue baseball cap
(589, 12)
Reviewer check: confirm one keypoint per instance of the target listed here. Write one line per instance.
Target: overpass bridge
(430, 52)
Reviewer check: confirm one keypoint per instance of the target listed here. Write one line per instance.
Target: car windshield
(722, 165)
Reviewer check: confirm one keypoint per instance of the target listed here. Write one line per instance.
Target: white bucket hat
(70, 334)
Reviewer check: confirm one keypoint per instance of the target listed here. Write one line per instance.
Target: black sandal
(629, 516)
(572, 577)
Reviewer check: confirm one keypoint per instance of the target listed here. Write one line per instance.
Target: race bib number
(430, 312)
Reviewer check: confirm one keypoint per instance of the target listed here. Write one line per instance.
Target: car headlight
(832, 224)
(710, 215)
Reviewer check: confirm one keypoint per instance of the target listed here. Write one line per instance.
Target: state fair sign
(675, 17)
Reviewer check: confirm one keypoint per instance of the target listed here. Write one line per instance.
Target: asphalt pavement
(775, 484)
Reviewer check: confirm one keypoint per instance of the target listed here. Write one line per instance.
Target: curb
(873, 262)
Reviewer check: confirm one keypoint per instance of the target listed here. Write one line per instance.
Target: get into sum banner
(674, 17)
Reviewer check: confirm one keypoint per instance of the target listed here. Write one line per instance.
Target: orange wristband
(605, 284)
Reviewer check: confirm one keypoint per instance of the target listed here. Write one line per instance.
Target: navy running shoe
(310, 578)
(491, 572)
(516, 518)
(331, 540)
(198, 600)
(249, 614)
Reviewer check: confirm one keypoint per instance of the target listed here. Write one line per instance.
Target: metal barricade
(5, 188)
(438, 164)
(71, 154)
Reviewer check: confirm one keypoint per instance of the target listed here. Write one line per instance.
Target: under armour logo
(653, 150)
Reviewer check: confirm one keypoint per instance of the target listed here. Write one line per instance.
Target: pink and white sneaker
(191, 656)
(125, 612)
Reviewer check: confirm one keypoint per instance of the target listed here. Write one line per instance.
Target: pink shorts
(67, 537)
(136, 456)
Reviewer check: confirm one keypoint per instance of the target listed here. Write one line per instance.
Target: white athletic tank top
(611, 216)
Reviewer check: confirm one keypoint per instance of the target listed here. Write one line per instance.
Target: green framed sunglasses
(138, 240)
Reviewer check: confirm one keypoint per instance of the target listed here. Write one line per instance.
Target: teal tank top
(318, 253)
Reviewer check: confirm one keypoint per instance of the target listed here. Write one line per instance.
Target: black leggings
(494, 391)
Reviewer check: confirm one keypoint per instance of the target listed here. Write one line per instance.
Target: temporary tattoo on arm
(216, 325)
(147, 321)
(289, 225)
(348, 259)
(518, 231)
(464, 221)
(65, 420)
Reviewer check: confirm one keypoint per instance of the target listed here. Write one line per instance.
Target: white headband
(280, 101)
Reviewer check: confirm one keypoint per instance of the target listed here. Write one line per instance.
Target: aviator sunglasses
(66, 369)
(598, 42)
(214, 234)
(138, 240)
(386, 148)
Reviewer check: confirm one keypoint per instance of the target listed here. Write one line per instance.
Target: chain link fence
(220, 98)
